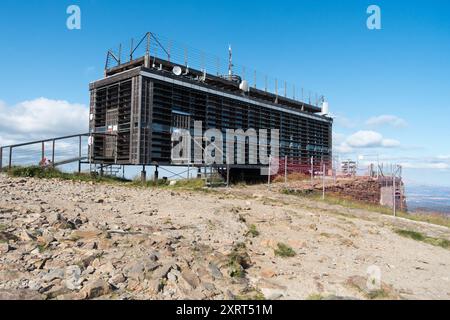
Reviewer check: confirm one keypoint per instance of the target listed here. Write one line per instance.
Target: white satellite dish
(325, 108)
(244, 86)
(177, 71)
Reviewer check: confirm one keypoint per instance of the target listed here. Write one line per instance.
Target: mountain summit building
(140, 102)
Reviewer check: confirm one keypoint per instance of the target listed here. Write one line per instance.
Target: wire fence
(189, 57)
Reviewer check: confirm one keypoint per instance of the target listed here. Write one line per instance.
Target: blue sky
(388, 88)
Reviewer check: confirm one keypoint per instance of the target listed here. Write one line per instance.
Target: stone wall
(370, 190)
(358, 189)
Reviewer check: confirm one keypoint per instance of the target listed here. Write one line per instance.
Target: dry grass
(444, 243)
(438, 219)
(296, 176)
(284, 251)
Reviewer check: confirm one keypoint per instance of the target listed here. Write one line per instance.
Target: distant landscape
(428, 198)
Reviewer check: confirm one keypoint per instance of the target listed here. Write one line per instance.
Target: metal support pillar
(53, 153)
(210, 173)
(394, 191)
(156, 176)
(323, 181)
(285, 169)
(10, 158)
(188, 171)
(79, 155)
(143, 175)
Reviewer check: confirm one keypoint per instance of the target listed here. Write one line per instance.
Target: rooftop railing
(184, 55)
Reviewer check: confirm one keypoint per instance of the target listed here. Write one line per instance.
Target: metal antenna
(276, 87)
(120, 53)
(230, 62)
(147, 49)
(276, 90)
(107, 61)
(131, 49)
(169, 50)
(202, 60)
(218, 66)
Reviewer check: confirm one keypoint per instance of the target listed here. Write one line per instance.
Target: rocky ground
(73, 240)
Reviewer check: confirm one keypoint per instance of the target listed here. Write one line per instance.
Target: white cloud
(343, 121)
(362, 139)
(370, 139)
(41, 118)
(426, 165)
(390, 120)
(390, 143)
(343, 148)
(365, 139)
(338, 137)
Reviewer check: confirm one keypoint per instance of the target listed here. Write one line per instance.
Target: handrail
(56, 139)
(43, 141)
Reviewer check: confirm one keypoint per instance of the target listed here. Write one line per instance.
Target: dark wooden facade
(141, 106)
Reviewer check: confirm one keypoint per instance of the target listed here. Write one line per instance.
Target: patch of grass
(296, 176)
(7, 236)
(410, 234)
(189, 184)
(74, 238)
(334, 199)
(301, 192)
(41, 248)
(378, 294)
(54, 173)
(444, 243)
(252, 231)
(315, 296)
(149, 183)
(3, 227)
(185, 184)
(240, 184)
(239, 260)
(253, 294)
(384, 291)
(438, 219)
(236, 271)
(284, 251)
(325, 235)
